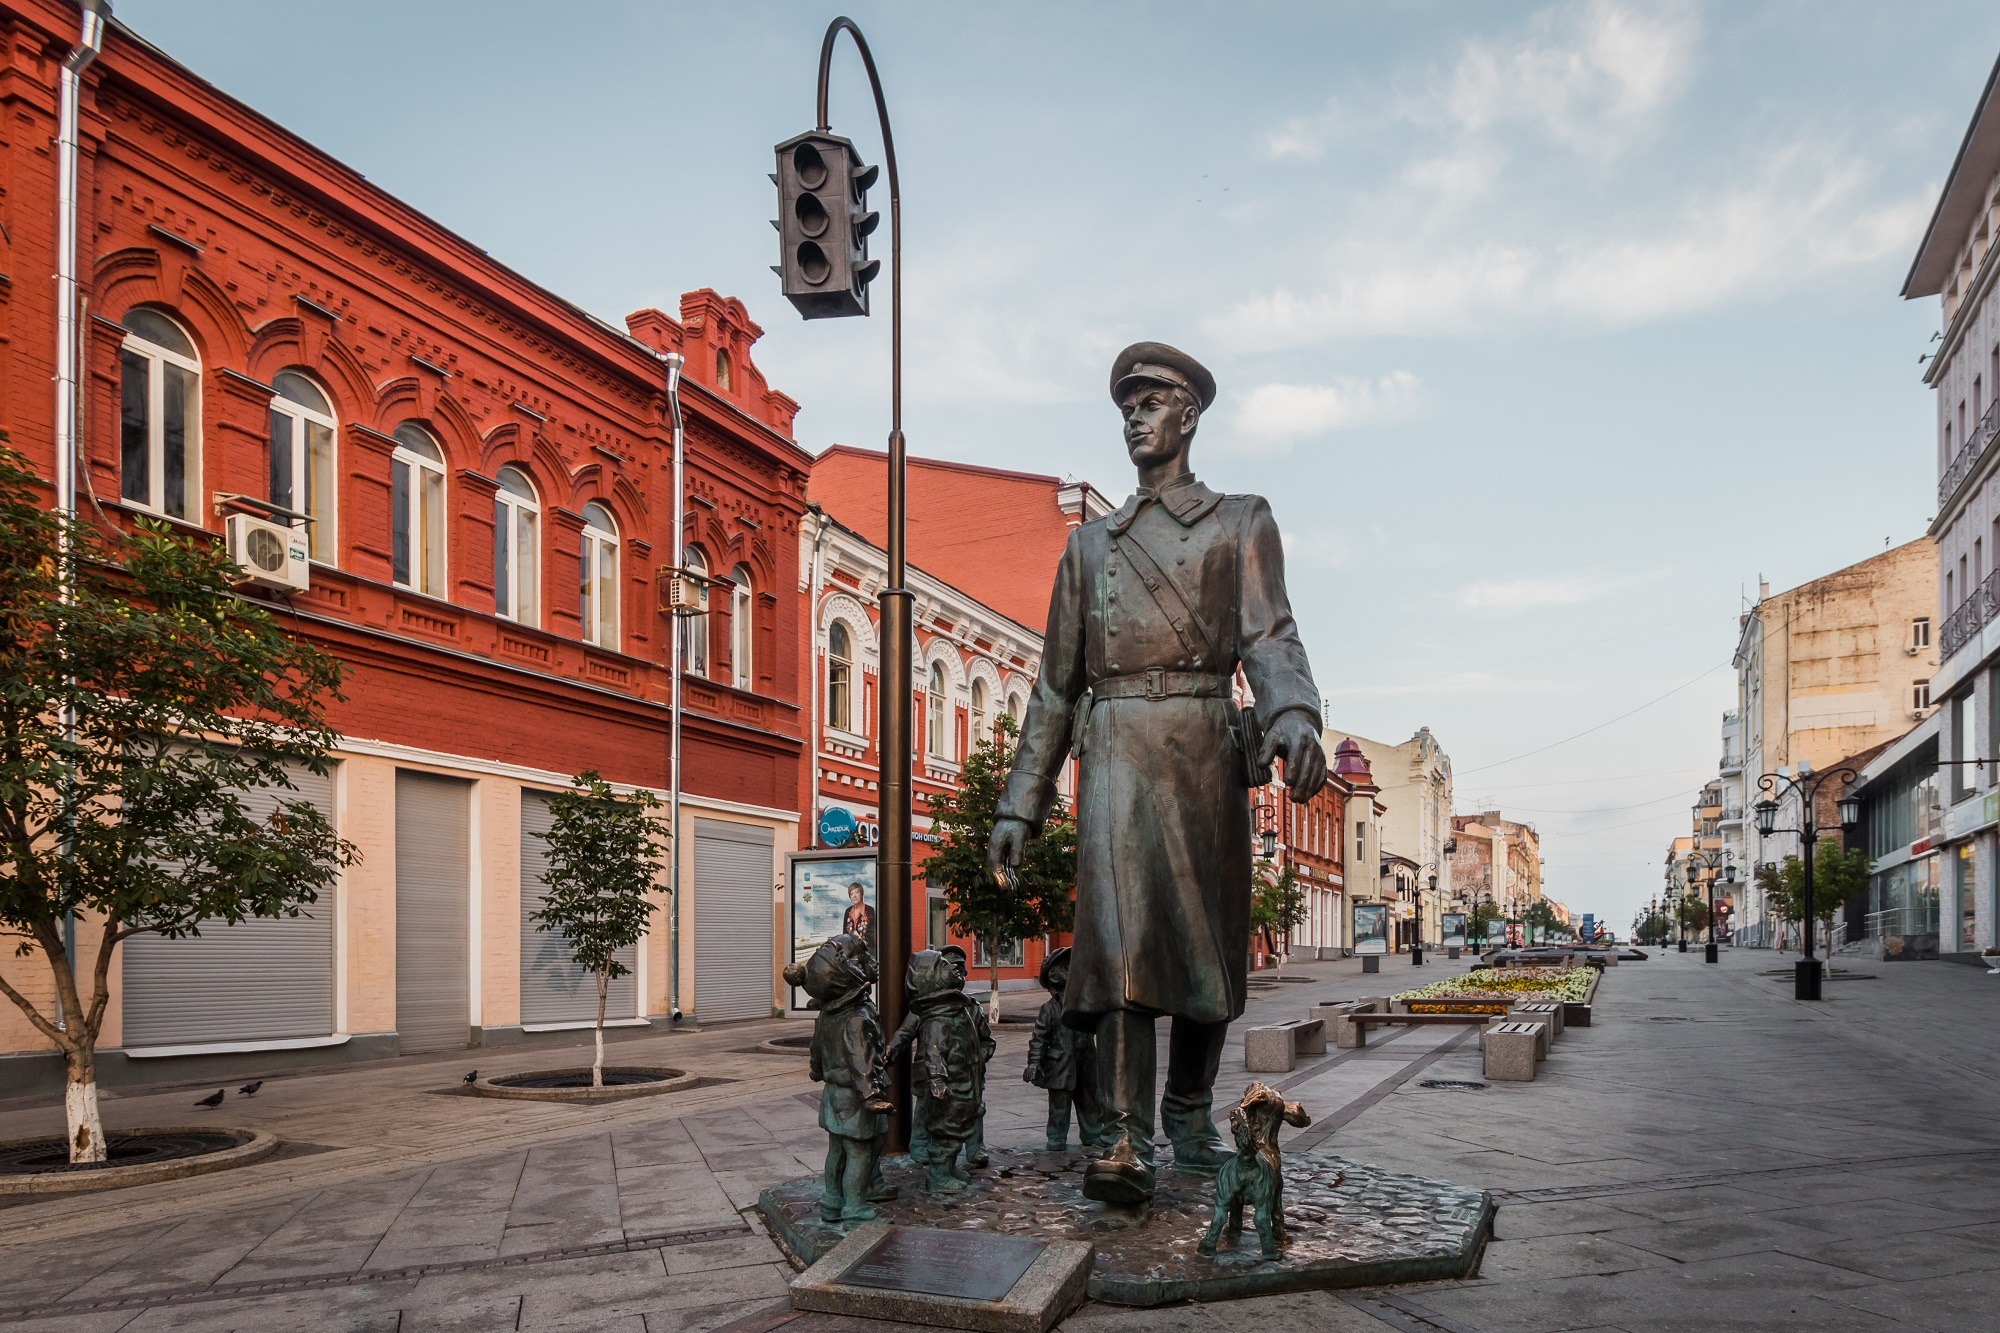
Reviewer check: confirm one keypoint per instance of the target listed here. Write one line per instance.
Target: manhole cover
(802, 1042)
(44, 1156)
(571, 1078)
(1452, 1085)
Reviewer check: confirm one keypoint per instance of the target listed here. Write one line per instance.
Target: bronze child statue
(847, 1058)
(1256, 1174)
(975, 1143)
(1060, 1059)
(944, 1067)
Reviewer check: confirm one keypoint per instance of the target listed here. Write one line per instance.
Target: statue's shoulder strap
(1172, 603)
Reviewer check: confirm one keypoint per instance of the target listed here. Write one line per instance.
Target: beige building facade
(1414, 778)
(1824, 670)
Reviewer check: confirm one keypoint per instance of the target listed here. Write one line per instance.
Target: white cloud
(1275, 415)
(1513, 596)
(1586, 76)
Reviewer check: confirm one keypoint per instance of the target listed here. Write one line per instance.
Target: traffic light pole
(893, 739)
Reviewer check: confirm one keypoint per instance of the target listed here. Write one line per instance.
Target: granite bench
(1551, 1009)
(1511, 1051)
(1276, 1047)
(1350, 1031)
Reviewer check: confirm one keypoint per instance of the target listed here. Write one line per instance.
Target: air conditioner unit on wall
(270, 555)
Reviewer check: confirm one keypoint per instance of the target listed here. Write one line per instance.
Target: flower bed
(1491, 991)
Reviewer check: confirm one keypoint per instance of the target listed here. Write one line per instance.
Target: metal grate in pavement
(369, 1277)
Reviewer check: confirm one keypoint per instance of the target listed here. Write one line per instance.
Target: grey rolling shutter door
(732, 920)
(433, 900)
(553, 988)
(264, 980)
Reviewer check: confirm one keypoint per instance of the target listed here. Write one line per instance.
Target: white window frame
(694, 628)
(421, 472)
(321, 510)
(937, 728)
(157, 359)
(977, 724)
(516, 597)
(742, 630)
(1920, 632)
(600, 614)
(841, 718)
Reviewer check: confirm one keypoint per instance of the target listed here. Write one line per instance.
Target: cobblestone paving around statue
(1747, 1163)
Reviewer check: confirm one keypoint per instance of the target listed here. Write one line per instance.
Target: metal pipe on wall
(675, 363)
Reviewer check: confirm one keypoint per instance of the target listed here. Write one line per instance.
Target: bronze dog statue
(1256, 1174)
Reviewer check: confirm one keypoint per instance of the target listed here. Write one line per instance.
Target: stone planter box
(569, 1085)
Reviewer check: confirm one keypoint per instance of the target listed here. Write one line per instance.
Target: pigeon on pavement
(472, 1076)
(250, 1089)
(211, 1101)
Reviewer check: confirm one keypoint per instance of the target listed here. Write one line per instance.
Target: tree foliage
(141, 707)
(1278, 902)
(1042, 899)
(1837, 876)
(605, 852)
(1479, 922)
(1538, 915)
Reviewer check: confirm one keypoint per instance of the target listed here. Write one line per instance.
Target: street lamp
(1266, 820)
(1711, 861)
(824, 270)
(1809, 972)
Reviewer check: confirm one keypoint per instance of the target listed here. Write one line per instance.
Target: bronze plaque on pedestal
(970, 1265)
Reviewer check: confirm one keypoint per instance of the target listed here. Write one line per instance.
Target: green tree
(1539, 915)
(604, 859)
(1278, 905)
(1837, 876)
(1042, 897)
(1479, 922)
(1694, 916)
(142, 701)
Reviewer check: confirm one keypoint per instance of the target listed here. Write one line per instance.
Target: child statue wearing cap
(847, 1058)
(1060, 1059)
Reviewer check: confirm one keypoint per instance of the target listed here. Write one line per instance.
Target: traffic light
(823, 225)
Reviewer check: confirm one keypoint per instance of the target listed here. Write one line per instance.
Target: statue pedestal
(1351, 1225)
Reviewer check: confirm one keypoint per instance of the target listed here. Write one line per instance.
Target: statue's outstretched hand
(1004, 848)
(1294, 736)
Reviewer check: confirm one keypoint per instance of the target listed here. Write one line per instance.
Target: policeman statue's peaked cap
(1161, 364)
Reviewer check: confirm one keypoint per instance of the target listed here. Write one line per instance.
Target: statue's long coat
(1163, 812)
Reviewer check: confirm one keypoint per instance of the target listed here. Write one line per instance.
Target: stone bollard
(1511, 1051)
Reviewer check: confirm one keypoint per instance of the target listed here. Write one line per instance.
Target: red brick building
(487, 473)
(969, 527)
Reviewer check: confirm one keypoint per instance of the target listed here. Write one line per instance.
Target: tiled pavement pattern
(1708, 1155)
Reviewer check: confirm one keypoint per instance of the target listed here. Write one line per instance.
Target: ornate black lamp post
(823, 268)
(1810, 972)
(1711, 862)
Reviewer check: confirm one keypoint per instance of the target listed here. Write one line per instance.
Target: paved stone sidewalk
(1709, 1154)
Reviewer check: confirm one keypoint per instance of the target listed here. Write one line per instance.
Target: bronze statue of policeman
(1154, 609)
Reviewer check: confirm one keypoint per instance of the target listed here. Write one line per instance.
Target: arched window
(159, 417)
(936, 706)
(978, 719)
(722, 370)
(600, 576)
(1014, 708)
(517, 548)
(416, 517)
(302, 434)
(742, 628)
(839, 677)
(694, 629)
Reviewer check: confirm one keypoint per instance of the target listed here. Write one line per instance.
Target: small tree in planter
(141, 700)
(1277, 907)
(1837, 876)
(1042, 899)
(604, 857)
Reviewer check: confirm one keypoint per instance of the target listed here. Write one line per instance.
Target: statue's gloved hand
(1003, 850)
(1293, 735)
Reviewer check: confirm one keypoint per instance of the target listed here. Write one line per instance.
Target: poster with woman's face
(1371, 927)
(832, 897)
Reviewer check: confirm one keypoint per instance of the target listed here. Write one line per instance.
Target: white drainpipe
(675, 362)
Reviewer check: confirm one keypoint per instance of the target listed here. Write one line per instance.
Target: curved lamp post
(1714, 862)
(1809, 972)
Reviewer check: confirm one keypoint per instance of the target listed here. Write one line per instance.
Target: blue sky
(1546, 329)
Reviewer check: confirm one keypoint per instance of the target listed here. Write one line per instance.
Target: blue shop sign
(836, 826)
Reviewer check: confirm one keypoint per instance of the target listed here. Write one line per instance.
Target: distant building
(1956, 263)
(1498, 861)
(1415, 781)
(1824, 670)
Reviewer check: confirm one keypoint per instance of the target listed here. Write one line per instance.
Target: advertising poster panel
(1371, 928)
(1453, 925)
(830, 894)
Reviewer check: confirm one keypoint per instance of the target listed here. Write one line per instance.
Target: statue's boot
(1190, 1127)
(879, 1189)
(943, 1180)
(1121, 1177)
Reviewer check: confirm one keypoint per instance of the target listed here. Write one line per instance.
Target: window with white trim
(1920, 695)
(416, 511)
(1920, 632)
(694, 628)
(301, 459)
(600, 576)
(159, 417)
(742, 628)
(839, 677)
(935, 705)
(517, 548)
(978, 714)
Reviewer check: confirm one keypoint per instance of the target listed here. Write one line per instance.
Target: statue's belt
(1162, 684)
